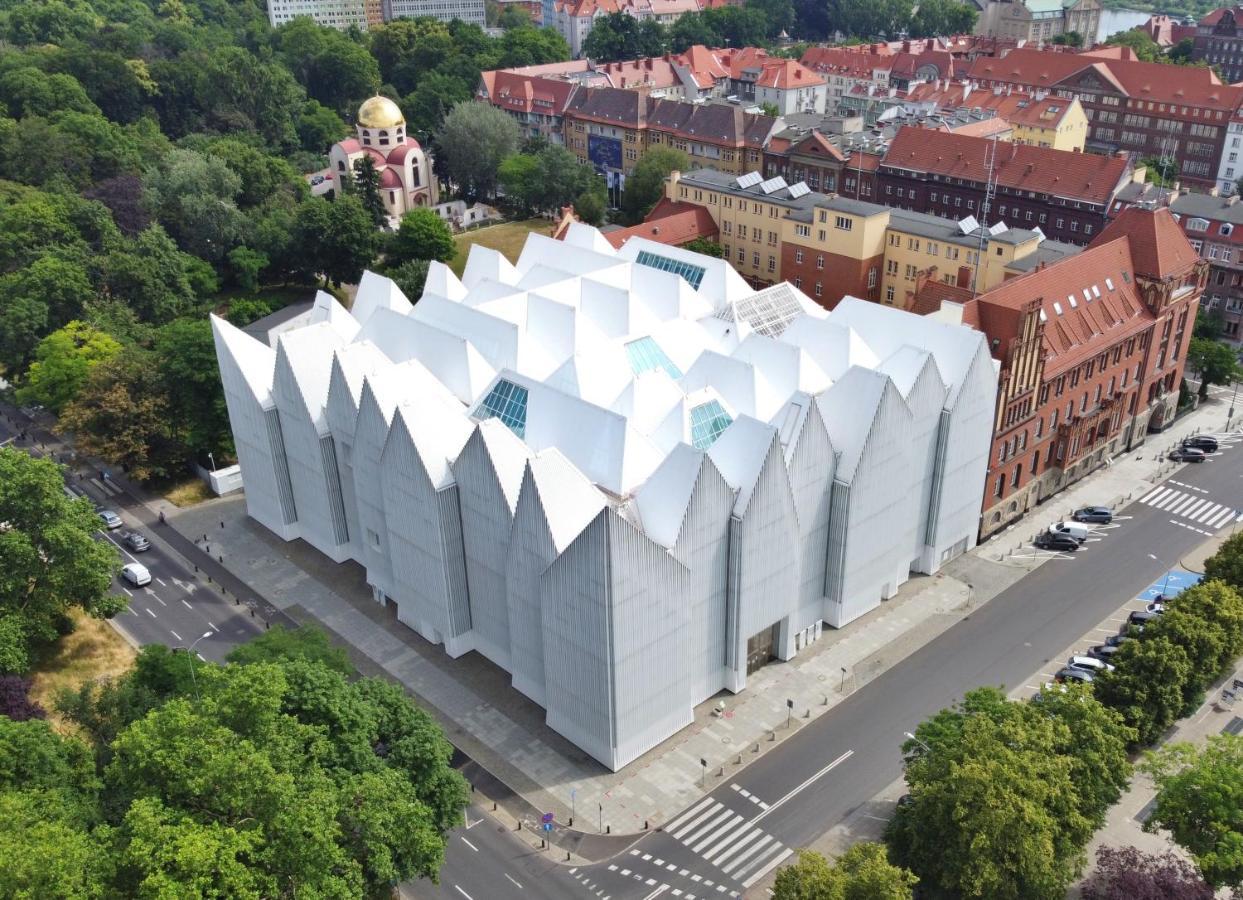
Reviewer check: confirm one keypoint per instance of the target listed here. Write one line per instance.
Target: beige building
(1039, 21)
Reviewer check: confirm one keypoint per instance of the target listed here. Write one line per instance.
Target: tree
(591, 207)
(193, 196)
(336, 238)
(770, 109)
(422, 235)
(410, 277)
(122, 194)
(27, 90)
(862, 873)
(50, 561)
(519, 178)
(1125, 873)
(1213, 362)
(1183, 53)
(15, 702)
(513, 16)
(152, 277)
(706, 246)
(1146, 686)
(246, 265)
(942, 17)
(473, 141)
(425, 108)
(1068, 39)
(318, 127)
(245, 310)
(1210, 324)
(1144, 47)
(778, 14)
(366, 186)
(869, 18)
(304, 643)
(647, 184)
(41, 297)
(1200, 802)
(1227, 563)
(620, 36)
(121, 416)
(185, 361)
(261, 174)
(63, 360)
(1217, 603)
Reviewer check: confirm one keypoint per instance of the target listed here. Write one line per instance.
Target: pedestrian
(161, 517)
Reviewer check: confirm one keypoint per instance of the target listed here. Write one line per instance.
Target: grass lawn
(507, 238)
(93, 651)
(188, 493)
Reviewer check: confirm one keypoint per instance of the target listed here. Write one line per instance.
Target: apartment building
(1037, 119)
(1214, 226)
(1091, 350)
(1219, 42)
(1039, 21)
(1145, 109)
(1066, 195)
(610, 128)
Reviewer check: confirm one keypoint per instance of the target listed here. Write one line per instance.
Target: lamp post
(190, 659)
(918, 741)
(1166, 582)
(212, 460)
(1233, 396)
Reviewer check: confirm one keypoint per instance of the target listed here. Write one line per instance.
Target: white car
(1071, 529)
(136, 574)
(1090, 663)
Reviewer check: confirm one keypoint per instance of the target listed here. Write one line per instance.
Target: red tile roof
(519, 92)
(929, 297)
(1218, 14)
(1159, 246)
(1190, 85)
(670, 222)
(1082, 176)
(1075, 329)
(787, 74)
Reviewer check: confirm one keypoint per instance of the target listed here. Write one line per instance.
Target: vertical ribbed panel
(486, 524)
(280, 464)
(734, 638)
(332, 481)
(454, 557)
(835, 554)
(531, 551)
(926, 401)
(811, 470)
(370, 433)
(938, 478)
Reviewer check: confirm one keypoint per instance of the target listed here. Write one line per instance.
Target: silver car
(111, 520)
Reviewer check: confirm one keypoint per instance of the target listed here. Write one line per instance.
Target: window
(645, 355)
(843, 223)
(798, 256)
(708, 420)
(819, 289)
(1001, 485)
(508, 402)
(772, 264)
(802, 230)
(693, 274)
(889, 294)
(820, 261)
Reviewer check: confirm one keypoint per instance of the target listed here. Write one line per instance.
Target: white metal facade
(616, 474)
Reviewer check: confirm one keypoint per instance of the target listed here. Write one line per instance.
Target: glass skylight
(508, 402)
(768, 312)
(645, 355)
(693, 274)
(708, 420)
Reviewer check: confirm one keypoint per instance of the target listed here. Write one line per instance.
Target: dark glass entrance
(760, 648)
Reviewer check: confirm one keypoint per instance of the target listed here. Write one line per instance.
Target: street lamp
(1233, 396)
(918, 741)
(212, 460)
(190, 658)
(1166, 583)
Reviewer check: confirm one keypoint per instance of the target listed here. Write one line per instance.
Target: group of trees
(1148, 50)
(275, 775)
(759, 23)
(544, 177)
(1004, 796)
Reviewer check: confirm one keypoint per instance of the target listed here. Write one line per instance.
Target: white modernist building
(623, 476)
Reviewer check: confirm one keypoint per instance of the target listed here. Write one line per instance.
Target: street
(753, 822)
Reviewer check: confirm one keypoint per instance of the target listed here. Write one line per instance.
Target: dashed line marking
(174, 634)
(150, 613)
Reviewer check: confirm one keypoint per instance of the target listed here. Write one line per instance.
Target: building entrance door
(760, 648)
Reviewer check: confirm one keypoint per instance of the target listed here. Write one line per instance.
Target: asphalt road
(750, 824)
(178, 608)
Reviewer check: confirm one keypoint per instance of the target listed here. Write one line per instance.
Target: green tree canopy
(620, 36)
(937, 18)
(1147, 685)
(49, 559)
(422, 235)
(473, 141)
(1227, 563)
(1213, 362)
(864, 872)
(336, 238)
(647, 185)
(870, 18)
(63, 360)
(1200, 802)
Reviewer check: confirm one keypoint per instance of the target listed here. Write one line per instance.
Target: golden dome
(380, 112)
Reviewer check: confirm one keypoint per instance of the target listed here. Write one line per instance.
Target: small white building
(623, 476)
(406, 178)
(1230, 166)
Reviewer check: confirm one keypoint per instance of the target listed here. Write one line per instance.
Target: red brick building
(1091, 350)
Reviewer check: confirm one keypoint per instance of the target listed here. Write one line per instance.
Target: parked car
(1103, 651)
(1188, 454)
(136, 574)
(1156, 606)
(136, 541)
(1100, 515)
(110, 519)
(1070, 673)
(1141, 617)
(1049, 541)
(317, 179)
(1071, 529)
(1089, 663)
(1120, 638)
(1205, 442)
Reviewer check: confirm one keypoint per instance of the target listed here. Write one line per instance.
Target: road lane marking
(185, 604)
(682, 817)
(513, 882)
(826, 770)
(469, 844)
(128, 591)
(716, 834)
(161, 581)
(656, 893)
(147, 609)
(213, 627)
(462, 892)
(174, 634)
(768, 868)
(695, 822)
(157, 599)
(118, 546)
(200, 656)
(712, 823)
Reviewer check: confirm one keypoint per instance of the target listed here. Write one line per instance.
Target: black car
(1188, 454)
(1205, 442)
(1102, 515)
(1118, 639)
(1141, 617)
(1049, 541)
(1104, 651)
(1070, 673)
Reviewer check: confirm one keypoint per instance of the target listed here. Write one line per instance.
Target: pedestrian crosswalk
(1191, 505)
(729, 840)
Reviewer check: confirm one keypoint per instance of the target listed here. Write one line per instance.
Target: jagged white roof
(607, 375)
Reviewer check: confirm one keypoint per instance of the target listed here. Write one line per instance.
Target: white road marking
(118, 546)
(213, 627)
(463, 893)
(716, 834)
(157, 599)
(732, 850)
(128, 591)
(768, 868)
(755, 848)
(680, 819)
(713, 823)
(174, 634)
(694, 822)
(513, 881)
(200, 656)
(161, 581)
(656, 893)
(826, 770)
(469, 844)
(150, 613)
(185, 604)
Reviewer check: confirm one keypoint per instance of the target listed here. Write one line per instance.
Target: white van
(136, 574)
(1071, 529)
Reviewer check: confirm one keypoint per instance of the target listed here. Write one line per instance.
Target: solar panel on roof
(773, 184)
(968, 225)
(799, 190)
(750, 179)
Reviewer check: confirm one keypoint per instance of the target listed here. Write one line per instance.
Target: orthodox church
(406, 179)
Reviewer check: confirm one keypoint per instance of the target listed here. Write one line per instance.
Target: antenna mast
(990, 188)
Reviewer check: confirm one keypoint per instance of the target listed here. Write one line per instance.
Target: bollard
(739, 762)
(807, 714)
(209, 579)
(772, 736)
(757, 748)
(266, 625)
(222, 524)
(571, 822)
(608, 829)
(826, 700)
(543, 844)
(519, 828)
(220, 559)
(237, 601)
(252, 613)
(207, 548)
(567, 856)
(493, 806)
(645, 824)
(196, 567)
(472, 787)
(720, 773)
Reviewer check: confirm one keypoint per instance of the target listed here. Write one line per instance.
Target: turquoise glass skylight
(508, 402)
(708, 420)
(645, 354)
(693, 274)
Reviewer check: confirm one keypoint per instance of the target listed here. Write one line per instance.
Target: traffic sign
(548, 826)
(547, 818)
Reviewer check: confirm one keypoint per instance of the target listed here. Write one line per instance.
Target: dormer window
(1226, 228)
(383, 138)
